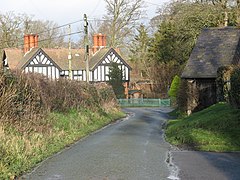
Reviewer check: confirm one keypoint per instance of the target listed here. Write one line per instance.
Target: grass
(19, 152)
(216, 128)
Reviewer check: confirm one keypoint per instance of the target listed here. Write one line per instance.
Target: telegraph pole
(86, 43)
(69, 54)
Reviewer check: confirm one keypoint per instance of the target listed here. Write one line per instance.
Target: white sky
(65, 11)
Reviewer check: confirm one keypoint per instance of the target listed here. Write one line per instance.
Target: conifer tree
(116, 80)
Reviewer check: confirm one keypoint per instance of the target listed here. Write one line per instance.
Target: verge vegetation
(40, 117)
(216, 128)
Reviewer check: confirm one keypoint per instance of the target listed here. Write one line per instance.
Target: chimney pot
(30, 41)
(99, 41)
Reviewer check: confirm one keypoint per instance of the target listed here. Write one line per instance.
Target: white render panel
(75, 72)
(48, 62)
(35, 61)
(107, 73)
(32, 63)
(57, 73)
(37, 57)
(103, 74)
(45, 71)
(49, 72)
(35, 69)
(127, 71)
(90, 76)
(84, 76)
(53, 73)
(40, 70)
(44, 60)
(26, 70)
(99, 73)
(42, 57)
(107, 60)
(107, 70)
(95, 75)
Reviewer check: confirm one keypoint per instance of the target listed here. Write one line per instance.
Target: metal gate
(141, 102)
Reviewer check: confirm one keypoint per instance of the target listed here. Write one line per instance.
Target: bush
(174, 88)
(116, 80)
(223, 83)
(26, 99)
(182, 95)
(235, 88)
(39, 117)
(20, 99)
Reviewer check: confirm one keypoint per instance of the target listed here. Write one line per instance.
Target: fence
(144, 102)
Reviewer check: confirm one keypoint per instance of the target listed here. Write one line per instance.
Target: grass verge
(21, 151)
(216, 128)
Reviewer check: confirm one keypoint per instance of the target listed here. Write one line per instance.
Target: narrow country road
(133, 149)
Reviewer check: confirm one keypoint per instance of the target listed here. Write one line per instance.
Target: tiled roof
(25, 58)
(13, 57)
(60, 57)
(214, 48)
(99, 55)
(17, 59)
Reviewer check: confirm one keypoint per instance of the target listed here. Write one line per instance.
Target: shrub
(116, 80)
(235, 88)
(223, 83)
(27, 98)
(182, 95)
(20, 99)
(175, 85)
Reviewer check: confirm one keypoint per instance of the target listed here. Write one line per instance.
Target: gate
(141, 102)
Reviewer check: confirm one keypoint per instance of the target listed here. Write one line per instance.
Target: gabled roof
(13, 57)
(214, 48)
(59, 57)
(17, 59)
(27, 57)
(99, 56)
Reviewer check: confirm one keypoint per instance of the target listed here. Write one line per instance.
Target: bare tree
(121, 18)
(50, 36)
(13, 27)
(10, 29)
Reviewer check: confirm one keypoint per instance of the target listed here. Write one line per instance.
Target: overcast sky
(65, 11)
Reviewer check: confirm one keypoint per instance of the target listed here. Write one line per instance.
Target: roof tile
(214, 48)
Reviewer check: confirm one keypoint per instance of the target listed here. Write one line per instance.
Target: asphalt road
(133, 149)
(194, 165)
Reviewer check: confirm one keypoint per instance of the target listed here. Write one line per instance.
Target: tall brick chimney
(99, 41)
(30, 41)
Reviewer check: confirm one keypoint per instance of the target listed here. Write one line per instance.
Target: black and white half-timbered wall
(54, 63)
(99, 71)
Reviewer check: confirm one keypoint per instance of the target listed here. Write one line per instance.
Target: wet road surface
(133, 149)
(194, 165)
